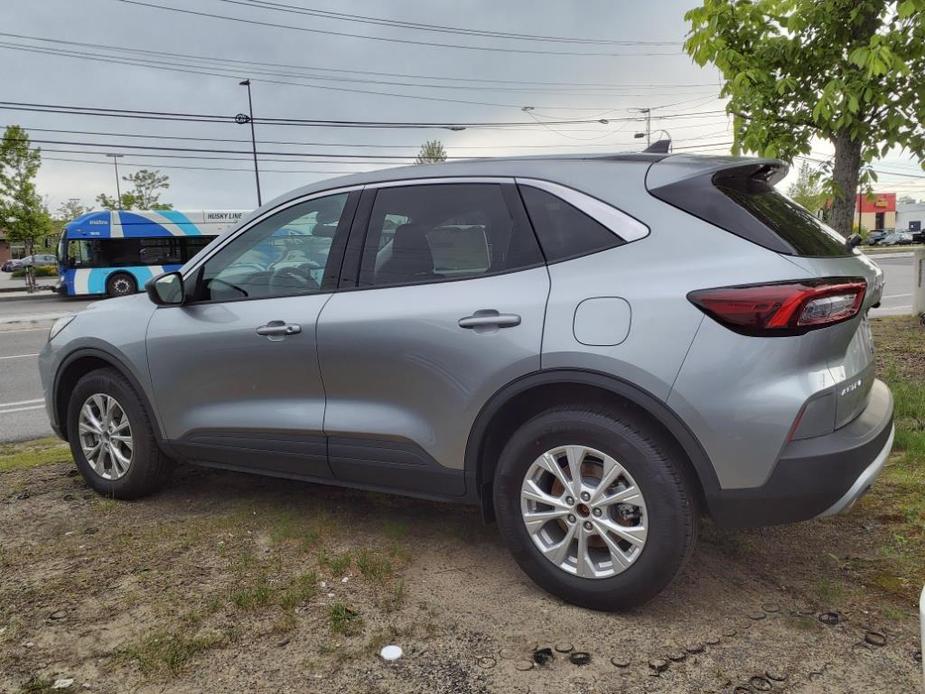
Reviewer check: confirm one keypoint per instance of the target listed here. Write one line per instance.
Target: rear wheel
(121, 284)
(593, 506)
(112, 439)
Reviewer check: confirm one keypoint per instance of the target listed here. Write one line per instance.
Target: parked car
(594, 349)
(40, 260)
(897, 238)
(11, 264)
(876, 236)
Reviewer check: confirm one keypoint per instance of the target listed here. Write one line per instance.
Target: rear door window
(444, 231)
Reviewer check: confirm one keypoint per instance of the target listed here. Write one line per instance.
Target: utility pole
(115, 163)
(242, 118)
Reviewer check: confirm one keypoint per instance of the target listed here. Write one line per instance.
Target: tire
(148, 468)
(121, 284)
(649, 460)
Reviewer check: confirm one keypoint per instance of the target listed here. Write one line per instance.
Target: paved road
(24, 326)
(897, 292)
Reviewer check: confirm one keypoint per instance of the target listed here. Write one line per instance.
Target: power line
(412, 42)
(270, 77)
(403, 24)
(218, 118)
(351, 145)
(203, 168)
(444, 78)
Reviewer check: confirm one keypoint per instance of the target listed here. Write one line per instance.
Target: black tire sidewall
(135, 482)
(668, 506)
(112, 279)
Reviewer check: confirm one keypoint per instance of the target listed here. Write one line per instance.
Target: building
(876, 211)
(910, 216)
(5, 251)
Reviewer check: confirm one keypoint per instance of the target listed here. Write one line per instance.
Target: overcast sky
(655, 74)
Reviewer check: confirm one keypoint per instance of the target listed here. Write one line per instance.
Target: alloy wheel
(105, 436)
(584, 511)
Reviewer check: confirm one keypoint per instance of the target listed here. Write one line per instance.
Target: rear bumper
(819, 476)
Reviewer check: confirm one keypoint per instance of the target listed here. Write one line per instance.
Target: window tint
(283, 255)
(794, 224)
(564, 231)
(124, 252)
(430, 233)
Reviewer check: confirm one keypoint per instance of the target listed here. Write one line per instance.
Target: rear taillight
(783, 308)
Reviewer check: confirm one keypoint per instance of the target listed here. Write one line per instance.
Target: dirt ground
(227, 582)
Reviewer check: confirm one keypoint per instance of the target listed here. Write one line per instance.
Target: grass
(898, 497)
(374, 567)
(168, 653)
(344, 620)
(336, 564)
(30, 454)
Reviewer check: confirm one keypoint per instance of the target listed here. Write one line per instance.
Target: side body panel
(398, 368)
(226, 394)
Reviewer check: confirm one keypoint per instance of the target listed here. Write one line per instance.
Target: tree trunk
(845, 175)
(30, 270)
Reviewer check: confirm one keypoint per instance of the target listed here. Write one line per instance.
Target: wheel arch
(83, 361)
(526, 396)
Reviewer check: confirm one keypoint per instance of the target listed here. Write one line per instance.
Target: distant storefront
(911, 216)
(876, 211)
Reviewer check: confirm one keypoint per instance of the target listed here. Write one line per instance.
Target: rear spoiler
(692, 184)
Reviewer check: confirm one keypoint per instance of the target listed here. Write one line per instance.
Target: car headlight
(60, 325)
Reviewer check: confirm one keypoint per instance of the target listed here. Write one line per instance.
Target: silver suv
(594, 349)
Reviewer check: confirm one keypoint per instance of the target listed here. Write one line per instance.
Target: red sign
(878, 202)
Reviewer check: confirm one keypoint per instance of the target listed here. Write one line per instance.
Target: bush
(39, 270)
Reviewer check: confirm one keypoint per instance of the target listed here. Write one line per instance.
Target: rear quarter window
(563, 230)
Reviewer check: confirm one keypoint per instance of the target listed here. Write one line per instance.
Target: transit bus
(116, 252)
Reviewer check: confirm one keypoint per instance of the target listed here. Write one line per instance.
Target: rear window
(794, 224)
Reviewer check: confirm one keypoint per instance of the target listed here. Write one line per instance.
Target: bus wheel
(121, 284)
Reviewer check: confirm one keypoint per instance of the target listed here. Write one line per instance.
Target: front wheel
(595, 507)
(121, 284)
(112, 439)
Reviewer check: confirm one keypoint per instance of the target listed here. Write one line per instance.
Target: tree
(108, 202)
(849, 72)
(808, 189)
(144, 194)
(432, 152)
(22, 212)
(146, 189)
(71, 209)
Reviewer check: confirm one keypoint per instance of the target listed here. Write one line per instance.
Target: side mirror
(166, 289)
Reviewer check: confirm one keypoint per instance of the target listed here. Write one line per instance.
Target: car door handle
(278, 328)
(490, 319)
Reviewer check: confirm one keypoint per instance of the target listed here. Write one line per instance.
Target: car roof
(526, 166)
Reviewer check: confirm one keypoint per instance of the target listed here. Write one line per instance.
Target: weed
(337, 564)
(251, 597)
(374, 567)
(169, 652)
(344, 620)
(36, 685)
(302, 589)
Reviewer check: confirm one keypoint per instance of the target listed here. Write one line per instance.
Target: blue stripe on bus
(181, 220)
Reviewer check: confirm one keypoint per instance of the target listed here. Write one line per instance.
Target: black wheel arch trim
(631, 392)
(119, 365)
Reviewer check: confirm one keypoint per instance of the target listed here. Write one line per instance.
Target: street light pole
(115, 163)
(250, 119)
